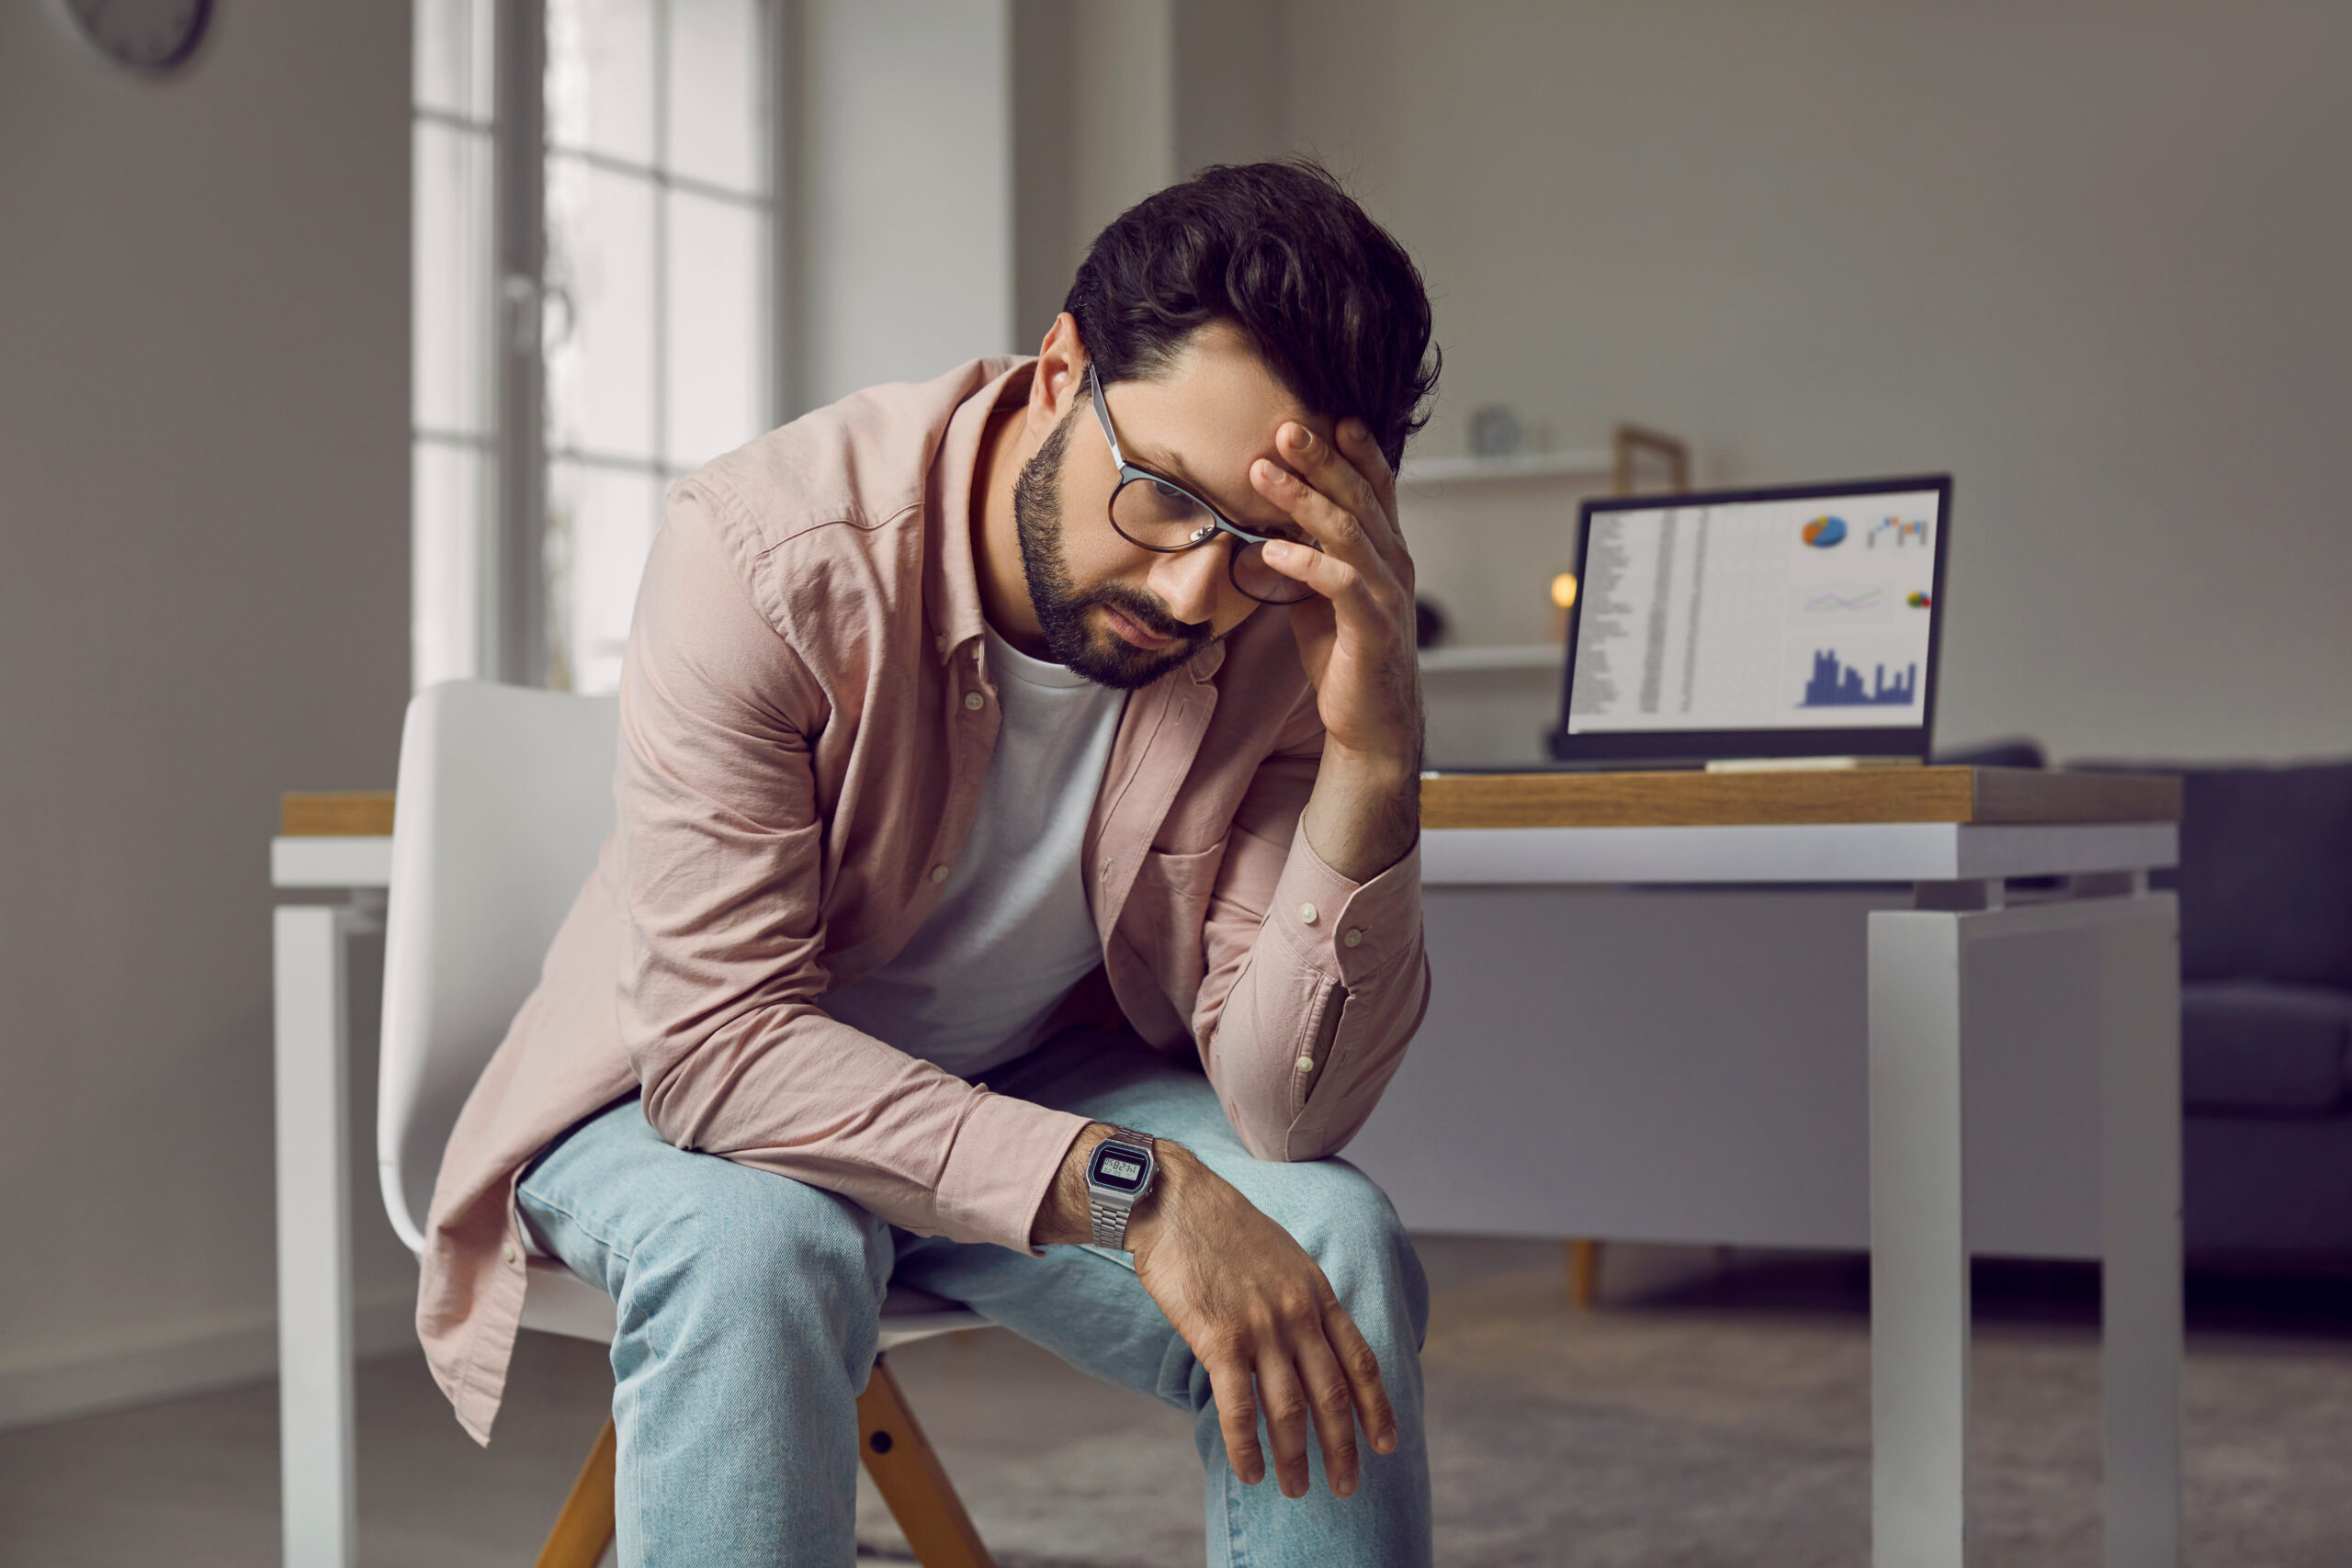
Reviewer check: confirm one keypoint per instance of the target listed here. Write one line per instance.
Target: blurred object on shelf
(1635, 447)
(1490, 536)
(1429, 624)
(1564, 598)
(1495, 431)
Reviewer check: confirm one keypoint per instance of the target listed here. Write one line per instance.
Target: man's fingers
(1237, 1417)
(1334, 1406)
(1343, 503)
(1362, 1368)
(1342, 475)
(1288, 1417)
(1353, 597)
(1341, 531)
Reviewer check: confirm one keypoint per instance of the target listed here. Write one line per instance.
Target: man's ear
(1060, 378)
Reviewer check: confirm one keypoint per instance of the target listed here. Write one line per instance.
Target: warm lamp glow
(1563, 589)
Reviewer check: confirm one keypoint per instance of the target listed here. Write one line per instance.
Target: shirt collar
(951, 574)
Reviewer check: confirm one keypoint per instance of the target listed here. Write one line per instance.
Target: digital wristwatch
(1118, 1175)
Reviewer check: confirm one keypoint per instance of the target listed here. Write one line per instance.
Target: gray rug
(1701, 1417)
(1688, 1427)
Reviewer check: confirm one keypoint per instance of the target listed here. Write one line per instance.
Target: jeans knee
(1362, 1248)
(757, 1247)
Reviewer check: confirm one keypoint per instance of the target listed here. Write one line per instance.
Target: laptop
(1787, 627)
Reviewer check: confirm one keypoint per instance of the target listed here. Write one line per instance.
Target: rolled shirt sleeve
(1316, 982)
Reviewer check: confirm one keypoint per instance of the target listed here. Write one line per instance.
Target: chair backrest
(505, 796)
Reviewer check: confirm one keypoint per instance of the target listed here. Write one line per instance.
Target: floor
(1711, 1411)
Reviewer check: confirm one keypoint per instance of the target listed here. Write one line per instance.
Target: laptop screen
(1788, 619)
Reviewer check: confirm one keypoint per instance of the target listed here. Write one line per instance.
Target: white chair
(505, 796)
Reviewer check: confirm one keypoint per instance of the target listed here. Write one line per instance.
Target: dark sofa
(2265, 1037)
(2266, 1029)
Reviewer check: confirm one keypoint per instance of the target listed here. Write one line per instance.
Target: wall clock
(150, 37)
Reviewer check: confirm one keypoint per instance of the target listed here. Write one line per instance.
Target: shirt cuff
(1342, 930)
(1001, 1168)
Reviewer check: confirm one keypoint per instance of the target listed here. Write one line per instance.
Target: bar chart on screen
(1838, 685)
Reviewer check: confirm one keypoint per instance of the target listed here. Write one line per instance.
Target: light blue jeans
(749, 1306)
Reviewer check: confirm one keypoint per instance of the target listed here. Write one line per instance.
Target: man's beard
(1110, 660)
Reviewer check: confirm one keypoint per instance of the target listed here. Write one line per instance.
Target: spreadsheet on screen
(1788, 614)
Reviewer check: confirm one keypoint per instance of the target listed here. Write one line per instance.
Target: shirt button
(1307, 913)
(1305, 1063)
(974, 701)
(507, 1252)
(939, 873)
(1354, 938)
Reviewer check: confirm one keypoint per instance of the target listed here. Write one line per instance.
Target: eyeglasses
(1157, 513)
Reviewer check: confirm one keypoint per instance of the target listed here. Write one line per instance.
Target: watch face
(1118, 1167)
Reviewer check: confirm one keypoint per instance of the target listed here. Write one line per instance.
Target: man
(1054, 723)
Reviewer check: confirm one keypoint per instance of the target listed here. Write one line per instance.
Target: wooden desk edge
(1969, 795)
(335, 813)
(1977, 797)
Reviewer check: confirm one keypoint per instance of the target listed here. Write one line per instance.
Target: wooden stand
(586, 1527)
(908, 1474)
(1629, 443)
(1584, 1272)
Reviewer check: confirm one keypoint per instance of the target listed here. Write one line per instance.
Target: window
(632, 335)
(453, 459)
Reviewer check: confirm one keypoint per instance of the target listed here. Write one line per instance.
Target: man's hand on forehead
(1343, 497)
(1355, 639)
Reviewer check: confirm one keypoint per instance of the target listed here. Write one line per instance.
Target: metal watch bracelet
(1108, 1213)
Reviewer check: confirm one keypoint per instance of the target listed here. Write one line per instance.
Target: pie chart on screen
(1824, 532)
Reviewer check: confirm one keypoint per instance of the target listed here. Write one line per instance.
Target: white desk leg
(314, 1393)
(2140, 1177)
(1920, 1300)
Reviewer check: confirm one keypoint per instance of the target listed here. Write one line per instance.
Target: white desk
(1524, 1100)
(1926, 968)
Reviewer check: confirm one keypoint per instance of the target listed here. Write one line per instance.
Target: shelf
(1519, 656)
(1520, 466)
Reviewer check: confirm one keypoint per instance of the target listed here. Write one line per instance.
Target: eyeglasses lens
(1162, 517)
(1156, 516)
(1262, 582)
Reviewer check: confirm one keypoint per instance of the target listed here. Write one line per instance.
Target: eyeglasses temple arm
(1103, 414)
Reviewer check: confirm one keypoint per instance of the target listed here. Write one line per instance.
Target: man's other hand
(1256, 1310)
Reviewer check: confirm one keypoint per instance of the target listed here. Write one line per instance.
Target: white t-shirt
(1012, 931)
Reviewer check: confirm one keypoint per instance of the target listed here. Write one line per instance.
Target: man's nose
(1193, 582)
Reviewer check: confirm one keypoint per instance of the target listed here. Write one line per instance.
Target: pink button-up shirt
(806, 719)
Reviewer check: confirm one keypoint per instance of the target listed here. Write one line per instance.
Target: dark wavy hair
(1328, 297)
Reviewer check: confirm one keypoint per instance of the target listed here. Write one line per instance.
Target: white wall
(203, 602)
(907, 142)
(2090, 258)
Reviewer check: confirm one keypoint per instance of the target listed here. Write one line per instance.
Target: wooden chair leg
(1584, 1272)
(586, 1527)
(911, 1481)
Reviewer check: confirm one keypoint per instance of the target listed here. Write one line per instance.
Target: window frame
(513, 615)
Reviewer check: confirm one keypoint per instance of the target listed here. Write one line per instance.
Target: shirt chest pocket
(1165, 916)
